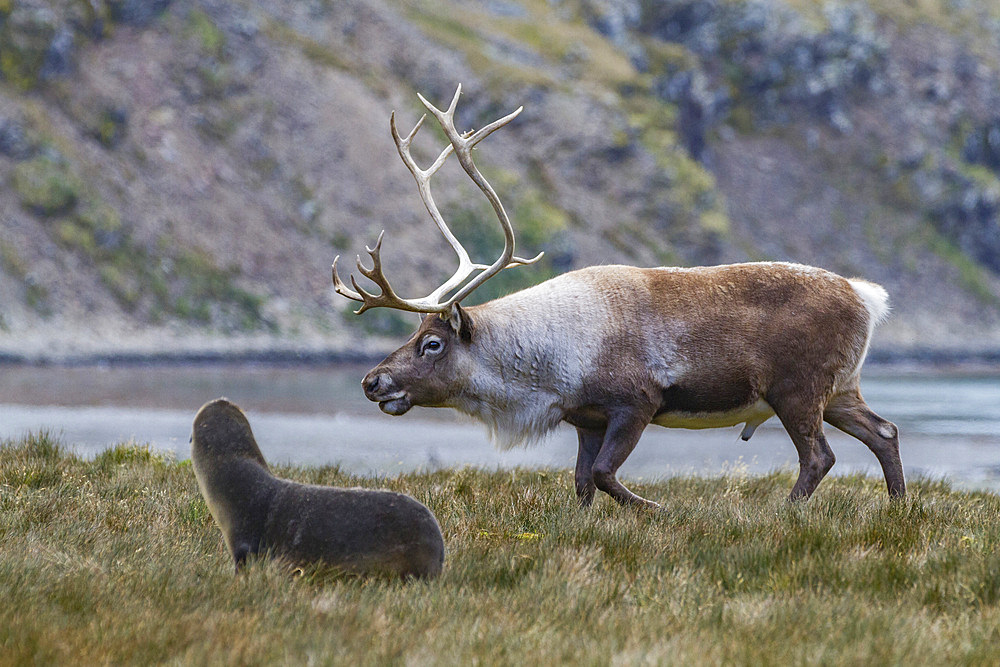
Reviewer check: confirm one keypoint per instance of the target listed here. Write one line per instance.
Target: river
(316, 415)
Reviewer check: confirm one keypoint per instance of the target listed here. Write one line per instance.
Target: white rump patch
(875, 298)
(876, 301)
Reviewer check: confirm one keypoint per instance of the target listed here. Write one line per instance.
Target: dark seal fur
(356, 531)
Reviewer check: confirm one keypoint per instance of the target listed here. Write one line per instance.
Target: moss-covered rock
(109, 126)
(25, 36)
(39, 40)
(961, 199)
(104, 222)
(46, 185)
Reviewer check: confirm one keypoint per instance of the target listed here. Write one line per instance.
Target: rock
(112, 125)
(964, 209)
(773, 53)
(136, 12)
(699, 108)
(59, 55)
(14, 140)
(982, 144)
(615, 19)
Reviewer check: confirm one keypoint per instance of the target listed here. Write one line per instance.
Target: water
(949, 424)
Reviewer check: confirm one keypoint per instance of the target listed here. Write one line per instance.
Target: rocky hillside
(178, 175)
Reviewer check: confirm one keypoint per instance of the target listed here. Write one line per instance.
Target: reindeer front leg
(623, 432)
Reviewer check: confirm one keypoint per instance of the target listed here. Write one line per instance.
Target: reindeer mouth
(397, 404)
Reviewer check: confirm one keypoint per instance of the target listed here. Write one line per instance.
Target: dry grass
(116, 560)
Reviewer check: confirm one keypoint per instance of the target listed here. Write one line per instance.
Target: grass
(117, 560)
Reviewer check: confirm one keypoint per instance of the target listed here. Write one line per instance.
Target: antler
(460, 144)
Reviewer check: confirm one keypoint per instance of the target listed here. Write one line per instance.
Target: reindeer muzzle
(380, 388)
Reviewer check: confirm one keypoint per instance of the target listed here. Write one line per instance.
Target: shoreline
(274, 357)
(917, 357)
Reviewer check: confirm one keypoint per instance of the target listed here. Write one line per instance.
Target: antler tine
(403, 147)
(375, 274)
(388, 298)
(422, 177)
(340, 288)
(461, 144)
(447, 121)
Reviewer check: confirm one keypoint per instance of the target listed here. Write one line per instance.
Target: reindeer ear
(461, 323)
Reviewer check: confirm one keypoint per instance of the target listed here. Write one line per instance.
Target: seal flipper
(240, 553)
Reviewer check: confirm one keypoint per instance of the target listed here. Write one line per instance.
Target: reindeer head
(426, 370)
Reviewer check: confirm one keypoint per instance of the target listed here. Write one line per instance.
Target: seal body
(357, 531)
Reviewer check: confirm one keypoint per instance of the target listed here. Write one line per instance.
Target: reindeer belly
(700, 402)
(753, 415)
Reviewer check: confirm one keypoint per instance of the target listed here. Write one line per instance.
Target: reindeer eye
(431, 345)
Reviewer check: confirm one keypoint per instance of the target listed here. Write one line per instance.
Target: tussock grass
(116, 560)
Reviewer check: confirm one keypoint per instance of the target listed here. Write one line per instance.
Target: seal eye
(431, 345)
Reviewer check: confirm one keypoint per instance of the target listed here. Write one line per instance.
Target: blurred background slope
(178, 175)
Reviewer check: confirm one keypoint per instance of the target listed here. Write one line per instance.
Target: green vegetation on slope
(173, 281)
(117, 560)
(629, 106)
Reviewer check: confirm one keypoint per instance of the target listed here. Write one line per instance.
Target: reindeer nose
(376, 383)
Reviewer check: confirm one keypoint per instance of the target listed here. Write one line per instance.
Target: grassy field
(116, 560)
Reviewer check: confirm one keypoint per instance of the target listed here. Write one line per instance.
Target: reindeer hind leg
(849, 413)
(804, 424)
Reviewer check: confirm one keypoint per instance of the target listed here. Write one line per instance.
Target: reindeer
(612, 349)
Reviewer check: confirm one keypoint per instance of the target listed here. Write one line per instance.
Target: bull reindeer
(612, 349)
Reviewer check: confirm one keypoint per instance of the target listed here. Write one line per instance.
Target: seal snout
(380, 388)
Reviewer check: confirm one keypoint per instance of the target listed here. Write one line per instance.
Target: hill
(178, 175)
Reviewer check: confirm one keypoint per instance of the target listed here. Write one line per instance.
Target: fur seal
(356, 531)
